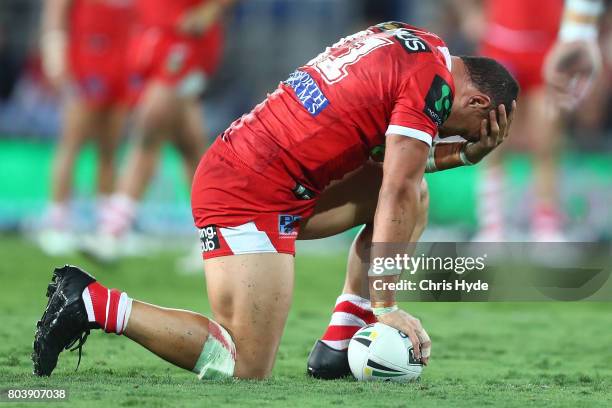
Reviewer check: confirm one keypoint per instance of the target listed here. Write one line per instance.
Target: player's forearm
(395, 216)
(445, 156)
(394, 223)
(580, 20)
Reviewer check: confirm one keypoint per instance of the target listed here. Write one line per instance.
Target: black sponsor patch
(209, 238)
(411, 42)
(439, 100)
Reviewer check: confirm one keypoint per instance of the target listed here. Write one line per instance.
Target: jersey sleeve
(423, 103)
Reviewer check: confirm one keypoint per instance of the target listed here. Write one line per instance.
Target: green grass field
(516, 355)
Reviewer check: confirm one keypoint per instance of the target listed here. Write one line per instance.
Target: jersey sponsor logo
(308, 92)
(438, 101)
(287, 224)
(209, 238)
(410, 42)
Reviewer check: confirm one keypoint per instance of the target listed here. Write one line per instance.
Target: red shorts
(98, 66)
(174, 59)
(240, 211)
(526, 67)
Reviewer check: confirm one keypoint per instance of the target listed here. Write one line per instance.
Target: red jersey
(164, 14)
(323, 121)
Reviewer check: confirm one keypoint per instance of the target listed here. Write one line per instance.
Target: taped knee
(218, 356)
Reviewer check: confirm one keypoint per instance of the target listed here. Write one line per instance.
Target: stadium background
(485, 354)
(293, 32)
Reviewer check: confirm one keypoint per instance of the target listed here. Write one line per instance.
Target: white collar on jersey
(447, 57)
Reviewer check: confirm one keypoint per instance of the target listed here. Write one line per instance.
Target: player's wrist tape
(580, 20)
(446, 155)
(585, 7)
(463, 156)
(379, 311)
(430, 166)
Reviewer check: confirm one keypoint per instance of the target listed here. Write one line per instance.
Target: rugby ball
(379, 352)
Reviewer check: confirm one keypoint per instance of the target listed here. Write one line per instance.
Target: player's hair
(493, 79)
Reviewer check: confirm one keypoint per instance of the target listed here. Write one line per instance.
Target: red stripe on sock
(340, 332)
(99, 296)
(111, 318)
(351, 308)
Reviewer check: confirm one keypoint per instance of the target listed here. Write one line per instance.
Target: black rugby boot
(64, 321)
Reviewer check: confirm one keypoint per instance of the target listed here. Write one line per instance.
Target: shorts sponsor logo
(307, 92)
(209, 238)
(287, 224)
(410, 42)
(438, 101)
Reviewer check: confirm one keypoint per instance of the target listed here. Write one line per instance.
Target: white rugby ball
(379, 352)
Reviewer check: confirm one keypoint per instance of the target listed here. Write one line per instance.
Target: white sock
(117, 214)
(58, 215)
(491, 202)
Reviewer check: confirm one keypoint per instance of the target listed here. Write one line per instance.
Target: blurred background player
(83, 50)
(572, 65)
(176, 48)
(519, 37)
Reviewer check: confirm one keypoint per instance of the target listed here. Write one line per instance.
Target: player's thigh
(190, 137)
(112, 125)
(250, 296)
(345, 203)
(159, 106)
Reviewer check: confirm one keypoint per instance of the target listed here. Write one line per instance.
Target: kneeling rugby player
(299, 166)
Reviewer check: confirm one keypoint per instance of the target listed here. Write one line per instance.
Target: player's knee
(157, 113)
(364, 238)
(218, 358)
(253, 372)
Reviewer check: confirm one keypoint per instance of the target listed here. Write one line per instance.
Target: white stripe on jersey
(409, 132)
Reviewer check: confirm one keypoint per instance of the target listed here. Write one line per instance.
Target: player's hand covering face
(493, 132)
(569, 71)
